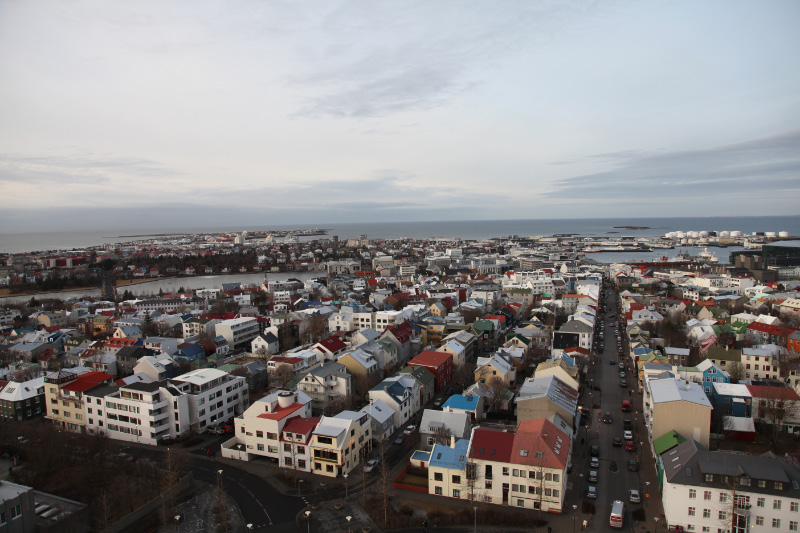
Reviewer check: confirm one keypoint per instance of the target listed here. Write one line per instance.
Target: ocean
(462, 229)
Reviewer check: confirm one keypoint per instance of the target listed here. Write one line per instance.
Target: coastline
(6, 293)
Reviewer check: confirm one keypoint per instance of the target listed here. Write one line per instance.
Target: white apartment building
(214, 396)
(325, 384)
(258, 430)
(195, 326)
(338, 442)
(401, 394)
(759, 363)
(238, 332)
(719, 492)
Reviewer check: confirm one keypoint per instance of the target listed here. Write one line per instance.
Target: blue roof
(447, 457)
(565, 357)
(465, 403)
(641, 351)
(419, 455)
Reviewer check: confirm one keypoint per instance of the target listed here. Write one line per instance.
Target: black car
(617, 443)
(607, 417)
(595, 451)
(633, 465)
(626, 424)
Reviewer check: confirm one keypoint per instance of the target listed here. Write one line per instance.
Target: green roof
(667, 441)
(721, 354)
(483, 325)
(215, 357)
(230, 367)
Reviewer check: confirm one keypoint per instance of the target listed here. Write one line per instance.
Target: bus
(617, 514)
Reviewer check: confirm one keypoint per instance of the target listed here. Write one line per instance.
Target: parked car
(226, 428)
(611, 362)
(634, 496)
(627, 434)
(214, 430)
(399, 439)
(371, 464)
(593, 476)
(591, 492)
(410, 429)
(595, 462)
(595, 451)
(630, 446)
(622, 366)
(633, 465)
(626, 424)
(617, 443)
(623, 383)
(607, 417)
(622, 374)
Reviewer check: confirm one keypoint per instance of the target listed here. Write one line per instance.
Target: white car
(371, 464)
(628, 434)
(634, 496)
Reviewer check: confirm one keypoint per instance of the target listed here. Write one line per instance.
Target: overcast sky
(267, 112)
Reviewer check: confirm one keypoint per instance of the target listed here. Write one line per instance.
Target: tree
(775, 410)
(736, 371)
(498, 389)
(148, 327)
(316, 327)
(283, 373)
(383, 482)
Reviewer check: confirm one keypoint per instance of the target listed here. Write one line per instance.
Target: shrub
(638, 515)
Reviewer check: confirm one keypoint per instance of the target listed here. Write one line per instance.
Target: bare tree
(498, 389)
(775, 410)
(283, 373)
(736, 371)
(383, 482)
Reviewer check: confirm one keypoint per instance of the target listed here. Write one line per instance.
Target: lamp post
(574, 516)
(656, 519)
(249, 527)
(348, 517)
(345, 487)
(647, 495)
(177, 521)
(308, 520)
(475, 527)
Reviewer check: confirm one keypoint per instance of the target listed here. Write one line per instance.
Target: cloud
(763, 167)
(81, 169)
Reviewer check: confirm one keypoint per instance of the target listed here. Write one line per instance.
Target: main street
(614, 477)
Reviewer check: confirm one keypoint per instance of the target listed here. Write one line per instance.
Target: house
(457, 350)
(363, 366)
(330, 348)
(438, 427)
(338, 443)
(129, 356)
(711, 491)
(258, 430)
(425, 379)
(526, 469)
(680, 406)
(65, 396)
(25, 510)
(295, 438)
(156, 368)
(382, 420)
(776, 405)
(22, 400)
(401, 394)
(546, 397)
(265, 343)
(327, 385)
(561, 369)
(213, 396)
(733, 398)
(759, 363)
(439, 363)
(469, 404)
(494, 367)
(404, 339)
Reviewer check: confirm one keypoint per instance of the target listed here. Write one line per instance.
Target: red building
(439, 363)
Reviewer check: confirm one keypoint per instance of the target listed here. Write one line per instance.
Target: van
(617, 514)
(626, 405)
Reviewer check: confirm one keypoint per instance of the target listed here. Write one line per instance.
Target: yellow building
(64, 396)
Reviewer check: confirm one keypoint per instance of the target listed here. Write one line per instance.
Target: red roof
(402, 332)
(301, 426)
(281, 412)
(87, 381)
(540, 435)
(778, 393)
(577, 349)
(332, 344)
(771, 329)
(492, 445)
(430, 358)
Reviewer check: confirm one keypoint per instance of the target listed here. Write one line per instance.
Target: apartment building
(65, 396)
(196, 326)
(22, 400)
(712, 492)
(213, 396)
(677, 405)
(326, 384)
(401, 394)
(259, 429)
(526, 469)
(238, 332)
(338, 442)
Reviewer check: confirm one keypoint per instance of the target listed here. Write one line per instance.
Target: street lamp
(345, 487)
(647, 495)
(475, 527)
(249, 527)
(348, 517)
(574, 516)
(656, 519)
(308, 520)
(177, 521)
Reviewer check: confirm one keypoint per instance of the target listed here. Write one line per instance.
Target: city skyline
(271, 113)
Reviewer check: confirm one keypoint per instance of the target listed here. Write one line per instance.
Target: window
(793, 507)
(457, 480)
(692, 494)
(16, 512)
(776, 504)
(760, 502)
(261, 447)
(691, 511)
(260, 434)
(776, 523)
(555, 493)
(706, 529)
(709, 477)
(706, 513)
(520, 503)
(437, 476)
(723, 515)
(556, 477)
(762, 484)
(2, 518)
(532, 474)
(437, 490)
(792, 525)
(488, 485)
(779, 485)
(515, 473)
(707, 495)
(759, 520)
(723, 497)
(505, 470)
(456, 493)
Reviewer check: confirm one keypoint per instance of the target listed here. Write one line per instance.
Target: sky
(184, 113)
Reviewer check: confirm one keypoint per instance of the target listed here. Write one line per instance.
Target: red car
(630, 446)
(226, 428)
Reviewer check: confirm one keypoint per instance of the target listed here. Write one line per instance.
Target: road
(612, 485)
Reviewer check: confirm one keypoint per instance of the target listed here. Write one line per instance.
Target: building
(438, 427)
(239, 332)
(401, 394)
(718, 491)
(338, 442)
(24, 510)
(22, 400)
(214, 396)
(327, 385)
(65, 397)
(382, 420)
(439, 363)
(546, 397)
(677, 405)
(259, 429)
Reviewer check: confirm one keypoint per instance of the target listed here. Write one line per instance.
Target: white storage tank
(736, 234)
(769, 234)
(702, 234)
(724, 234)
(783, 234)
(680, 234)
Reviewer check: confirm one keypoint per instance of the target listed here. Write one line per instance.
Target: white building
(214, 396)
(238, 332)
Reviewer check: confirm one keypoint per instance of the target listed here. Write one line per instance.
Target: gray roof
(673, 390)
(328, 369)
(689, 462)
(102, 390)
